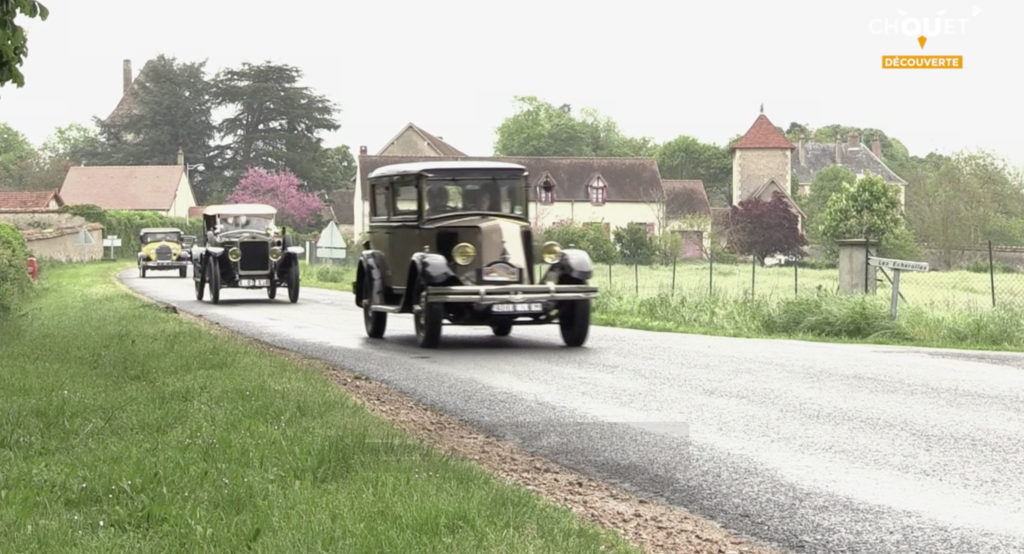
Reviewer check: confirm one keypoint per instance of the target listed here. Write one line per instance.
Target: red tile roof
(27, 200)
(123, 187)
(763, 134)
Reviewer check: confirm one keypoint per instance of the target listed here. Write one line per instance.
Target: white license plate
(521, 308)
(254, 282)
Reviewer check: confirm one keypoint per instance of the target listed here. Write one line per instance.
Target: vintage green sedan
(451, 242)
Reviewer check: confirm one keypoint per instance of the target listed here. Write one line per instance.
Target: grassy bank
(126, 428)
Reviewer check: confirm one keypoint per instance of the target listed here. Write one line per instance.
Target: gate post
(855, 275)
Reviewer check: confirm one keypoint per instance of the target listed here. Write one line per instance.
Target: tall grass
(127, 429)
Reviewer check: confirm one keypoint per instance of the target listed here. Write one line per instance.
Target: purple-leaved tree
(762, 229)
(280, 190)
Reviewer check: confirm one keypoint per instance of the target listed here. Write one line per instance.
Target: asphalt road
(813, 447)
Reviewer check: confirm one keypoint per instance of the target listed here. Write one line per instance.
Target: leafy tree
(827, 183)
(635, 246)
(13, 41)
(867, 209)
(589, 237)
(70, 145)
(170, 108)
(687, 158)
(274, 123)
(14, 281)
(541, 129)
(18, 158)
(762, 229)
(281, 190)
(335, 169)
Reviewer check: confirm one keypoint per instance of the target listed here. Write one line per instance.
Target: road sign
(904, 265)
(111, 240)
(331, 244)
(84, 237)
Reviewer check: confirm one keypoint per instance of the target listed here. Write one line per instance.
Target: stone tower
(762, 155)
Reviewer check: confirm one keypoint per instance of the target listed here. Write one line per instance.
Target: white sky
(657, 68)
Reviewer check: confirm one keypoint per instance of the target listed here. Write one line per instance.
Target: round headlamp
(551, 252)
(234, 254)
(463, 253)
(275, 253)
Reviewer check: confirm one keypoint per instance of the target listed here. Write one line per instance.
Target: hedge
(14, 280)
(126, 224)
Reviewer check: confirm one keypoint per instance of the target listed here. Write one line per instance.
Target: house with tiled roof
(30, 201)
(164, 189)
(414, 141)
(762, 155)
(688, 214)
(812, 157)
(614, 192)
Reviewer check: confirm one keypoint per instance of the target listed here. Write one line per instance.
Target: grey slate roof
(860, 160)
(629, 179)
(685, 197)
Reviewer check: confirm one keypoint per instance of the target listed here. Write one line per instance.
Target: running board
(385, 309)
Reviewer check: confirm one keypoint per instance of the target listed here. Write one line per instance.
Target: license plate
(254, 282)
(521, 308)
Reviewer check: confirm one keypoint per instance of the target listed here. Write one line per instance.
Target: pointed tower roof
(763, 134)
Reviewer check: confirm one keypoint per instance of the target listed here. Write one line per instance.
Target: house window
(546, 191)
(597, 191)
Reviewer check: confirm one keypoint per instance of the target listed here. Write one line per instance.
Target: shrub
(591, 238)
(634, 244)
(14, 280)
(126, 225)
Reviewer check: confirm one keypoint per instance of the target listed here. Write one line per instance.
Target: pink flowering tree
(280, 190)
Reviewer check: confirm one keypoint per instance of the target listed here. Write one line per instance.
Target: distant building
(414, 141)
(30, 201)
(688, 214)
(812, 157)
(158, 188)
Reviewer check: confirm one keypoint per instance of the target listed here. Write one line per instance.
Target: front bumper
(165, 264)
(497, 294)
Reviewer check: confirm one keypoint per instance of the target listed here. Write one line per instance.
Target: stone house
(812, 157)
(688, 214)
(414, 141)
(30, 201)
(164, 189)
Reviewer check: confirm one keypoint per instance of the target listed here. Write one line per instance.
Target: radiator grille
(163, 253)
(255, 256)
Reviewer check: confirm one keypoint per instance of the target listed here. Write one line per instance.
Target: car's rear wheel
(574, 321)
(142, 271)
(214, 279)
(428, 317)
(501, 328)
(293, 282)
(375, 322)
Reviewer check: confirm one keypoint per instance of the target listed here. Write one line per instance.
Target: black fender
(372, 265)
(430, 268)
(574, 264)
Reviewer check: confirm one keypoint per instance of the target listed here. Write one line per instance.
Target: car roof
(240, 209)
(421, 167)
(159, 230)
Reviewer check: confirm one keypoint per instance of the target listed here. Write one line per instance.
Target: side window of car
(406, 197)
(380, 200)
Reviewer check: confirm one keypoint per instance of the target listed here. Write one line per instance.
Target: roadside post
(111, 241)
(896, 266)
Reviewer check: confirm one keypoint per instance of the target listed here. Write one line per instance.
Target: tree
(541, 129)
(281, 190)
(827, 183)
(18, 159)
(591, 238)
(13, 40)
(335, 169)
(634, 244)
(762, 229)
(170, 108)
(868, 209)
(274, 122)
(687, 158)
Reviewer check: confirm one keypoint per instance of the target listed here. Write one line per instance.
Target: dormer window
(597, 191)
(546, 191)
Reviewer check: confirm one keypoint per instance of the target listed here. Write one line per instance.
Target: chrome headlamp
(275, 253)
(463, 253)
(551, 252)
(234, 254)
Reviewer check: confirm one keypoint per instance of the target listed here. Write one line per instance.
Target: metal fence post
(991, 274)
(796, 277)
(867, 254)
(753, 273)
(636, 278)
(711, 272)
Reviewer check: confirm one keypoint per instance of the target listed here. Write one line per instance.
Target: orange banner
(922, 62)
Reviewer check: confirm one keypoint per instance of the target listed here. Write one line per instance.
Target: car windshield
(250, 222)
(447, 194)
(158, 237)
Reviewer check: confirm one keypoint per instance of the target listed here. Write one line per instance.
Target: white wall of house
(183, 199)
(617, 214)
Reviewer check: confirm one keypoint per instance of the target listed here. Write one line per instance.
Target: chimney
(801, 150)
(853, 140)
(876, 147)
(839, 142)
(362, 150)
(181, 156)
(127, 76)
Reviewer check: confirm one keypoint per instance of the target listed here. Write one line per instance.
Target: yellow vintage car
(162, 249)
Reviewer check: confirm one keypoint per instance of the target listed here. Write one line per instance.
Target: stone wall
(753, 167)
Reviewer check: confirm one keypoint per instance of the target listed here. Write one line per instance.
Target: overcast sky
(657, 68)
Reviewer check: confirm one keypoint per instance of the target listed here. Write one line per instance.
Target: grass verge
(126, 428)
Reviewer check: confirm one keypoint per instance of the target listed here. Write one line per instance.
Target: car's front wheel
(375, 322)
(574, 321)
(293, 282)
(182, 272)
(214, 280)
(428, 317)
(272, 289)
(200, 281)
(142, 271)
(501, 328)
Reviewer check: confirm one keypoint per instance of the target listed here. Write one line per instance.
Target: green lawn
(125, 428)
